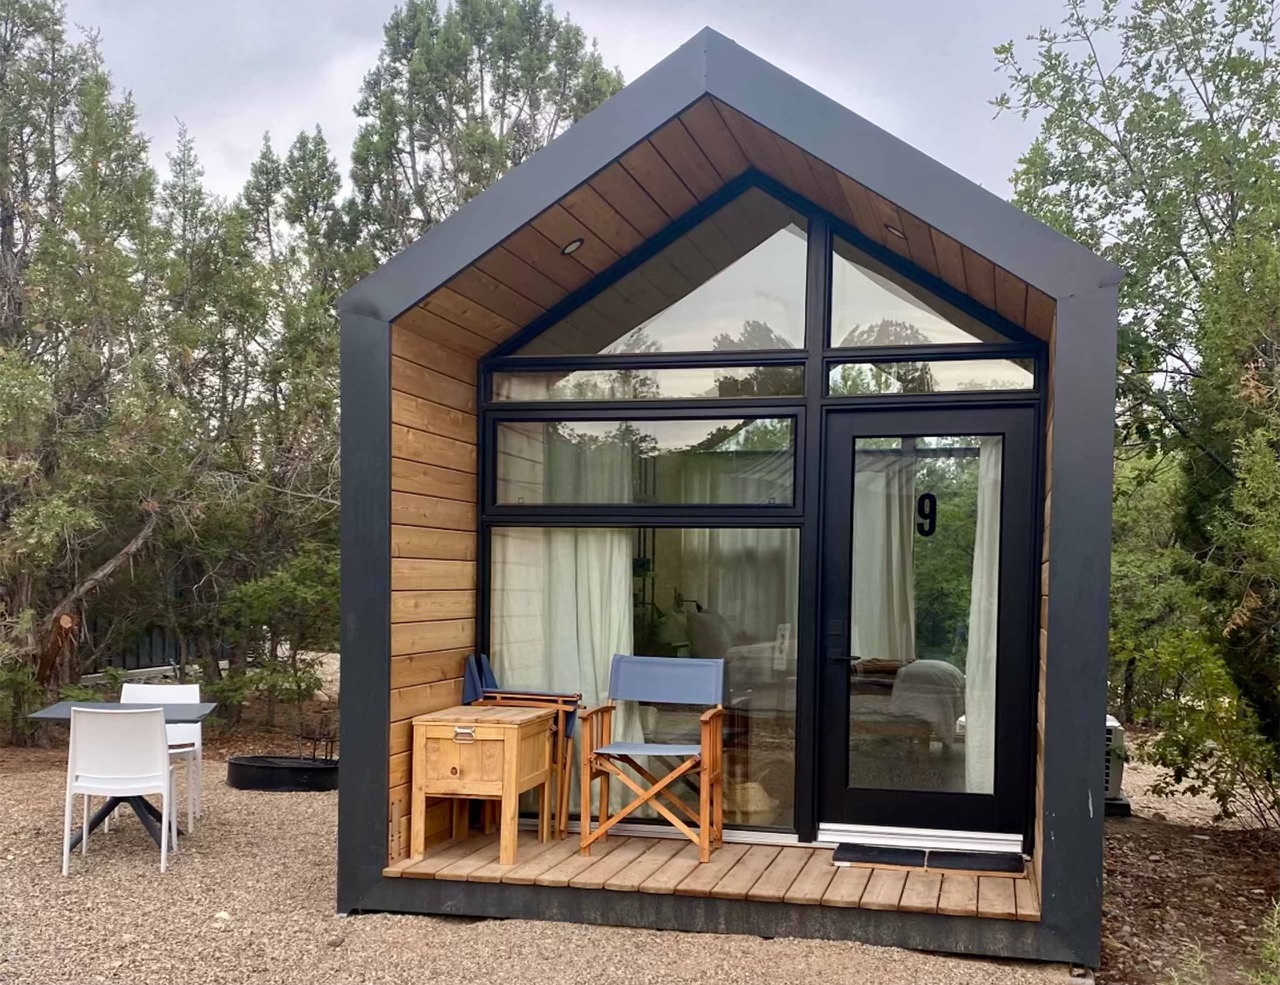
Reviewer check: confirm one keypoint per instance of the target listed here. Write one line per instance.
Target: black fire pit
(286, 773)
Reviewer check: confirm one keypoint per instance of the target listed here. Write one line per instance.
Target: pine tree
(457, 99)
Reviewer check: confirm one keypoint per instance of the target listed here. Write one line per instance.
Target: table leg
(544, 809)
(150, 817)
(96, 819)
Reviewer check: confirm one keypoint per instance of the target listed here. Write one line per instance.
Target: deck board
(449, 852)
(1026, 899)
(795, 874)
(527, 849)
(921, 892)
(629, 879)
(738, 881)
(460, 871)
(772, 886)
(595, 876)
(847, 887)
(884, 889)
(704, 878)
(564, 870)
(996, 898)
(813, 880)
(526, 872)
(676, 869)
(959, 895)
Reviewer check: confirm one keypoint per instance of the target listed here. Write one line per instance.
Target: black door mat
(853, 854)
(850, 854)
(977, 861)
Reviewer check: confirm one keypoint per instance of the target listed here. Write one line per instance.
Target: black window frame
(806, 511)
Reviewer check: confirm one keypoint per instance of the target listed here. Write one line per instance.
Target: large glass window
(930, 376)
(872, 305)
(742, 460)
(685, 383)
(735, 281)
(565, 600)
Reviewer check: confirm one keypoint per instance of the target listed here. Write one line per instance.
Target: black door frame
(1006, 809)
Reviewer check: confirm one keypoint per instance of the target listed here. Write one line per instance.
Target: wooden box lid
(486, 715)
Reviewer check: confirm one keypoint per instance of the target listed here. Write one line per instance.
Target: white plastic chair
(185, 739)
(119, 753)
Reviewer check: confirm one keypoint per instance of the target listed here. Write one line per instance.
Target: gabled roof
(950, 223)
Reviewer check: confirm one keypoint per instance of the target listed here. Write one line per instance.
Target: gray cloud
(921, 69)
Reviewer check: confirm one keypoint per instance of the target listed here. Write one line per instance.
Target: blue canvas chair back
(477, 678)
(667, 680)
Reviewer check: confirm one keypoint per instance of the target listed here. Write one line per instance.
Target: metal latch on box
(464, 733)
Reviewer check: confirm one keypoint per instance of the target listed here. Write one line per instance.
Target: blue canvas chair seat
(480, 686)
(658, 680)
(648, 749)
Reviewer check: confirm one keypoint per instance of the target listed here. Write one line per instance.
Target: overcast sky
(922, 69)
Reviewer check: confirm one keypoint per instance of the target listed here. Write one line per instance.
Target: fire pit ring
(282, 773)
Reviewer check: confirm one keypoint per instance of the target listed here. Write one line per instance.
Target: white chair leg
(66, 830)
(106, 823)
(191, 795)
(164, 822)
(199, 757)
(84, 828)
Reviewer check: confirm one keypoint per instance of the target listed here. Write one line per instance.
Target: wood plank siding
(433, 530)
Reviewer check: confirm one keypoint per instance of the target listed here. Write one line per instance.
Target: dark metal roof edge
(711, 63)
(544, 178)
(907, 177)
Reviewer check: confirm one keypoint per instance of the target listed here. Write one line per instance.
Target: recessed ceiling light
(571, 246)
(895, 230)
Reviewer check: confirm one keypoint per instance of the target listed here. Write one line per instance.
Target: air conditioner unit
(1117, 804)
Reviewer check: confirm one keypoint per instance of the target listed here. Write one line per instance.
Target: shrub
(1208, 740)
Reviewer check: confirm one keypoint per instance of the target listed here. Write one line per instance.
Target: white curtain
(562, 596)
(980, 663)
(884, 605)
(747, 575)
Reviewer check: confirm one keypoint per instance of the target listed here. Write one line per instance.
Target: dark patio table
(147, 812)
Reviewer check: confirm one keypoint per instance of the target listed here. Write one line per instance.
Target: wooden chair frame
(561, 746)
(597, 730)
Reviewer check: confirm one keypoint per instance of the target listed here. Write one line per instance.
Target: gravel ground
(249, 899)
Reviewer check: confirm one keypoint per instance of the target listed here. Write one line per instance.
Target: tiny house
(726, 371)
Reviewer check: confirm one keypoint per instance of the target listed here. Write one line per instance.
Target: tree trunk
(1126, 699)
(49, 666)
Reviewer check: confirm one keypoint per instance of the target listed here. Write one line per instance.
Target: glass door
(927, 657)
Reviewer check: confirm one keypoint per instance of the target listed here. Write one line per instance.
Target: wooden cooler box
(485, 753)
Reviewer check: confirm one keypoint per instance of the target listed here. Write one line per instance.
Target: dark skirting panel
(918, 931)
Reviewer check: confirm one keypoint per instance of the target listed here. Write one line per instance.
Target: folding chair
(665, 680)
(480, 687)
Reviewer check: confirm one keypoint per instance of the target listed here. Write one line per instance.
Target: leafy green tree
(459, 97)
(1158, 146)
(1158, 137)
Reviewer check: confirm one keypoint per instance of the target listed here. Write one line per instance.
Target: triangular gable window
(872, 306)
(734, 282)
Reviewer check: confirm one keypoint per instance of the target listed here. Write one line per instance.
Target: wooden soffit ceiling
(657, 181)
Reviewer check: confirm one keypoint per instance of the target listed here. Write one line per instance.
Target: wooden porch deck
(765, 873)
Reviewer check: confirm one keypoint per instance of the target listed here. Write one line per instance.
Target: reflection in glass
(566, 599)
(872, 305)
(729, 460)
(924, 601)
(687, 383)
(930, 376)
(735, 281)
